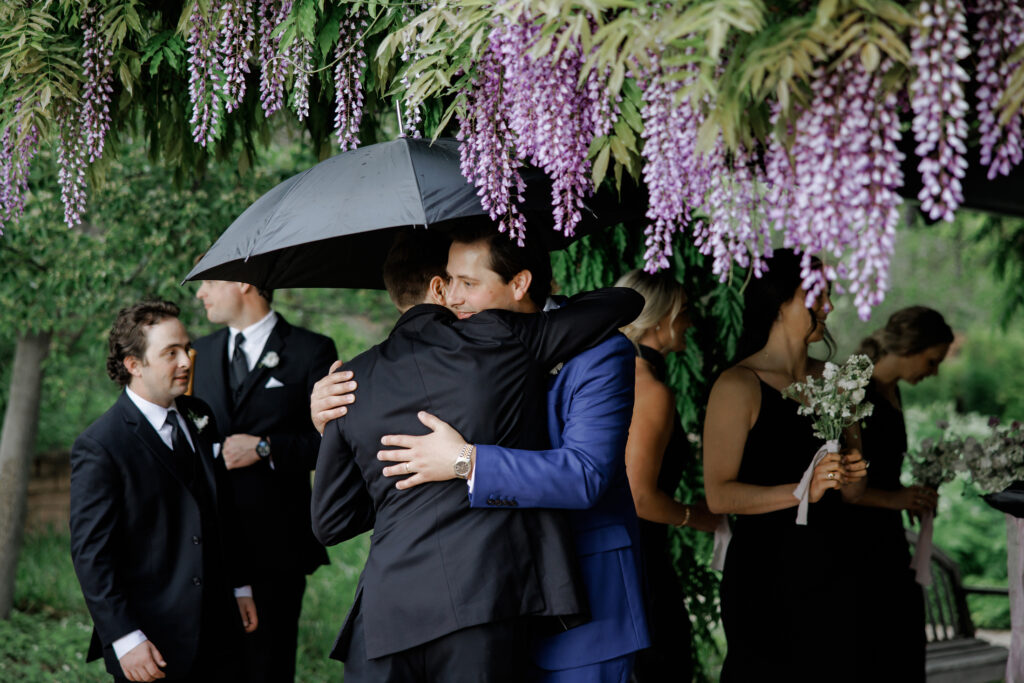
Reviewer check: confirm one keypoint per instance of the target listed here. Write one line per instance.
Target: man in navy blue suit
(590, 403)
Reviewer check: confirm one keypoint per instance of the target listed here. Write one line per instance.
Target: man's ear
(244, 287)
(438, 289)
(133, 365)
(521, 282)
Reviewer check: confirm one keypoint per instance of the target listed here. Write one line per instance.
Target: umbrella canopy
(332, 225)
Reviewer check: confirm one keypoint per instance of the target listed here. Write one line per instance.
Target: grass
(48, 633)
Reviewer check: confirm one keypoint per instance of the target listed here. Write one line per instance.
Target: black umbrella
(331, 226)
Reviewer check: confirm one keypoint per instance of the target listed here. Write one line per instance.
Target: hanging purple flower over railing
(94, 110)
(203, 79)
(235, 49)
(938, 43)
(488, 157)
(348, 88)
(273, 65)
(1000, 32)
(410, 115)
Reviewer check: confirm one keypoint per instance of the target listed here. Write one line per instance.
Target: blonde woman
(656, 455)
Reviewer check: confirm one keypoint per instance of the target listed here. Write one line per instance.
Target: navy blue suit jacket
(590, 406)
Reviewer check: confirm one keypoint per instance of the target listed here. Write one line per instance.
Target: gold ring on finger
(407, 471)
(831, 475)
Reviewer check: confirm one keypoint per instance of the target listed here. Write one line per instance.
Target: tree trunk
(17, 442)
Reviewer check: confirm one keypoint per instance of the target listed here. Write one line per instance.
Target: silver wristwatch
(463, 463)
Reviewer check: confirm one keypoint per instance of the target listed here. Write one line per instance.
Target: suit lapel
(145, 432)
(205, 456)
(260, 373)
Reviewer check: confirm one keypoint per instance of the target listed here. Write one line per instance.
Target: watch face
(263, 449)
(462, 467)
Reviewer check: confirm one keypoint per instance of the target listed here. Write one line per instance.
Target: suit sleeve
(577, 473)
(236, 553)
(96, 510)
(341, 507)
(557, 335)
(298, 449)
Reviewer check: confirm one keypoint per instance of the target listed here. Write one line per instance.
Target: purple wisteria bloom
(203, 81)
(999, 34)
(234, 49)
(348, 88)
(273, 65)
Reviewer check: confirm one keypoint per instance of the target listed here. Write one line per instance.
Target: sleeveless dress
(785, 608)
(670, 656)
(889, 604)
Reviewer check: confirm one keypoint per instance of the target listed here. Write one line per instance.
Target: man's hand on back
(331, 397)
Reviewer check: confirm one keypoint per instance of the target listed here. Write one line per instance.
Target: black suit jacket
(272, 503)
(435, 565)
(138, 541)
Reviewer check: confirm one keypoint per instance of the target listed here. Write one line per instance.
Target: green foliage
(48, 634)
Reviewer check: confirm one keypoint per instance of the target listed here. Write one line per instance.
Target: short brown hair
(128, 335)
(417, 255)
(909, 331)
(508, 257)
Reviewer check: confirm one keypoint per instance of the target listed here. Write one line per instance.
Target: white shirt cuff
(126, 644)
(243, 592)
(472, 479)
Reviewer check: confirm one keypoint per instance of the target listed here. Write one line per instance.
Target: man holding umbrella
(446, 586)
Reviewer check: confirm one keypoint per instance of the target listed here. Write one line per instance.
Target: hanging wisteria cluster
(714, 193)
(836, 186)
(938, 44)
(348, 90)
(234, 49)
(555, 137)
(273, 66)
(15, 162)
(999, 34)
(203, 78)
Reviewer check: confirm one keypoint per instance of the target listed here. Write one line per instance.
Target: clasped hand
(430, 457)
(836, 470)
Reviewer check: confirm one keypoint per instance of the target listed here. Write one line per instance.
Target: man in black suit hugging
(447, 588)
(256, 374)
(151, 538)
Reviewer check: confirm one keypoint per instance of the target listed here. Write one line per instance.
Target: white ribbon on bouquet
(921, 563)
(803, 489)
(723, 534)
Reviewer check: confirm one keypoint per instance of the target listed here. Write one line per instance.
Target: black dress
(784, 605)
(889, 604)
(670, 657)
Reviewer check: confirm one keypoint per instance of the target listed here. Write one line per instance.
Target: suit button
(195, 540)
(196, 581)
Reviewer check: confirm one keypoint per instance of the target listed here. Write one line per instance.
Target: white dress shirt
(156, 415)
(256, 336)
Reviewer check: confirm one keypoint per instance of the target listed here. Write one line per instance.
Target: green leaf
(601, 165)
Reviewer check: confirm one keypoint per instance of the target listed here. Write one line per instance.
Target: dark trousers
(269, 651)
(489, 653)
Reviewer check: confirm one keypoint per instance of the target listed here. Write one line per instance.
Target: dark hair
(417, 255)
(128, 335)
(267, 294)
(765, 296)
(508, 258)
(909, 331)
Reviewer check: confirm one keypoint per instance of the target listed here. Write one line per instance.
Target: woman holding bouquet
(657, 453)
(888, 604)
(785, 587)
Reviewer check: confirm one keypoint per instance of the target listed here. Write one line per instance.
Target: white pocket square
(273, 383)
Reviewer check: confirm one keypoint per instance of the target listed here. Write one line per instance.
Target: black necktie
(239, 364)
(184, 457)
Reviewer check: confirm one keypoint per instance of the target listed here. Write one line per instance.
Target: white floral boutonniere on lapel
(557, 369)
(200, 421)
(270, 360)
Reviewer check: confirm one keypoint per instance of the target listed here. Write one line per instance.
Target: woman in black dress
(784, 592)
(656, 455)
(888, 603)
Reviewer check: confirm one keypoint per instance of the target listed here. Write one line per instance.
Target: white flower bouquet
(836, 401)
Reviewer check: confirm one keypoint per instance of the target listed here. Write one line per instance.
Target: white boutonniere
(270, 360)
(557, 369)
(200, 421)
